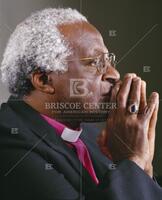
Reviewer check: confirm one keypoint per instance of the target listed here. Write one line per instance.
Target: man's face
(83, 84)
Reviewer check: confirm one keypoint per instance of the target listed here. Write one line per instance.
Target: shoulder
(8, 117)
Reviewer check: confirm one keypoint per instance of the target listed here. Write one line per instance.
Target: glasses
(100, 62)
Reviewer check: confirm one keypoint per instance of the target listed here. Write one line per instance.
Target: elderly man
(61, 76)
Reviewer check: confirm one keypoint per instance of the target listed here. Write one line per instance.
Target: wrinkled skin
(131, 136)
(85, 41)
(137, 131)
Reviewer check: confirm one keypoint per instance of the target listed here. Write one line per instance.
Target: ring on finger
(133, 109)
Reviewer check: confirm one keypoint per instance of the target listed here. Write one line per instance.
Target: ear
(42, 82)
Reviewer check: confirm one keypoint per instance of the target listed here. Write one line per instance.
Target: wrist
(141, 163)
(149, 170)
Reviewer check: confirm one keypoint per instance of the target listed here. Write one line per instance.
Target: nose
(111, 75)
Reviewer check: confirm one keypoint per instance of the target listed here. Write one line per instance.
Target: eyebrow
(100, 51)
(94, 56)
(96, 52)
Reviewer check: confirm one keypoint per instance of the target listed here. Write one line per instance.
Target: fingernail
(134, 75)
(136, 79)
(131, 75)
(156, 95)
(144, 83)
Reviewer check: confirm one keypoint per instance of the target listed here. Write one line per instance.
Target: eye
(90, 62)
(94, 62)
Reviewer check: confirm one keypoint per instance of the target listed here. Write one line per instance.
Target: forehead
(84, 38)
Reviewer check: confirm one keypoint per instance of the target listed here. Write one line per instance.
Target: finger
(102, 141)
(151, 131)
(135, 94)
(152, 103)
(153, 121)
(114, 93)
(143, 100)
(102, 138)
(124, 91)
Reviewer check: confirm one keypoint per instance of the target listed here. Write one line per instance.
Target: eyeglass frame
(111, 60)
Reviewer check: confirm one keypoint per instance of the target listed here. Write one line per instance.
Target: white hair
(37, 43)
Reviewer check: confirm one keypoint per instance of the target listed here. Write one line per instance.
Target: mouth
(108, 90)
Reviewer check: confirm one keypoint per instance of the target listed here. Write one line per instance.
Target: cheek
(94, 88)
(62, 91)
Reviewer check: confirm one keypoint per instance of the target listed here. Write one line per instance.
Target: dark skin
(86, 41)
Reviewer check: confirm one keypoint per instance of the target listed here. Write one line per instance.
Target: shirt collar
(66, 133)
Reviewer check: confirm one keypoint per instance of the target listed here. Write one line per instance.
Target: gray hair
(35, 44)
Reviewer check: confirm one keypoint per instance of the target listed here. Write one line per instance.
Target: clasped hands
(131, 135)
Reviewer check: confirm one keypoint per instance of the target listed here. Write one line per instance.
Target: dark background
(131, 29)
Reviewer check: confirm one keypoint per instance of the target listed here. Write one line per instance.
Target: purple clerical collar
(66, 133)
